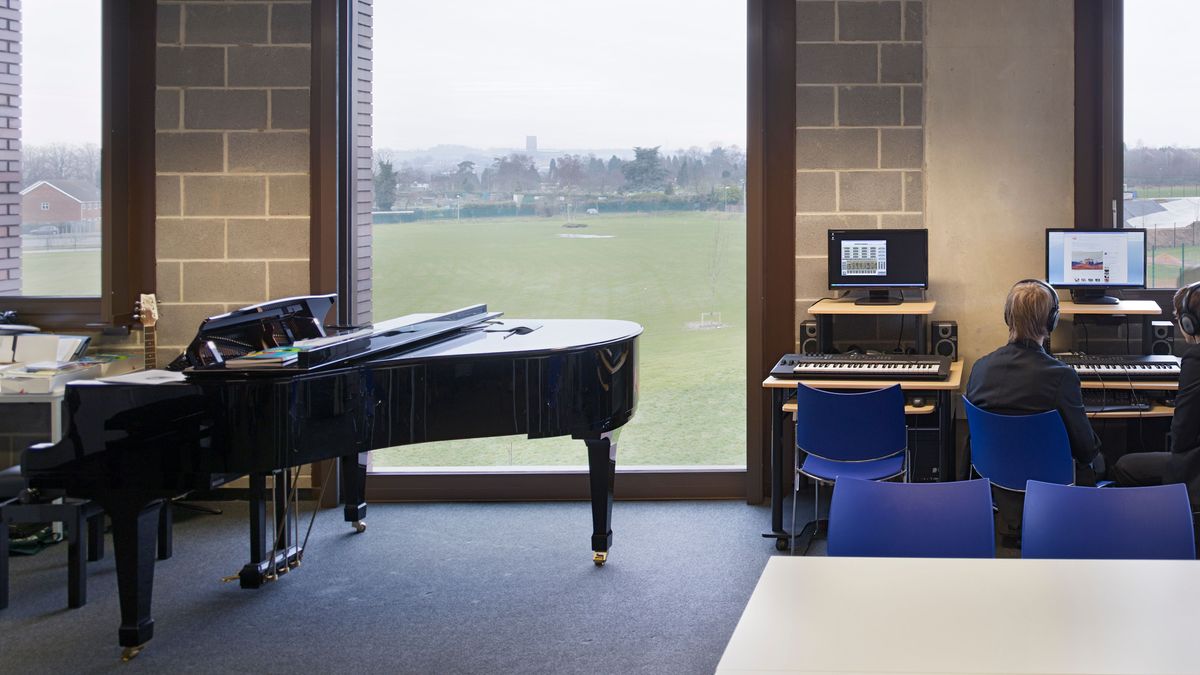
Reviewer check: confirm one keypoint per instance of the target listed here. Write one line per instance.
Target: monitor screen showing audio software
(1101, 259)
(878, 259)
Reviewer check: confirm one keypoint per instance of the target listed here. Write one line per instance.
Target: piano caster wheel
(599, 557)
(781, 544)
(129, 653)
(360, 526)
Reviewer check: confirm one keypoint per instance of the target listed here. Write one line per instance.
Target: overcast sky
(60, 71)
(577, 74)
(574, 73)
(1162, 72)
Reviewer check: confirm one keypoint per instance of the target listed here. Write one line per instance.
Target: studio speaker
(943, 339)
(810, 337)
(1159, 338)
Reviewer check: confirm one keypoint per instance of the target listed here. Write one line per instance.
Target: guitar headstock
(145, 310)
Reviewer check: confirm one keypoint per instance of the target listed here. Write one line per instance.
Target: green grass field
(1166, 191)
(660, 270)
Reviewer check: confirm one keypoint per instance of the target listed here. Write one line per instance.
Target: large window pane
(562, 159)
(1162, 138)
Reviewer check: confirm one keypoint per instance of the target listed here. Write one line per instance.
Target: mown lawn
(660, 270)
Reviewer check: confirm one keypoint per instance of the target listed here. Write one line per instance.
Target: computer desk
(942, 391)
(1157, 410)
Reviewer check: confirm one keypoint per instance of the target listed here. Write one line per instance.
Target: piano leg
(250, 576)
(354, 489)
(135, 534)
(602, 470)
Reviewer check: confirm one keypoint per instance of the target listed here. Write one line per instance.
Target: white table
(54, 400)
(923, 615)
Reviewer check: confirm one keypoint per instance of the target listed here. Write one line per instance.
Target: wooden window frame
(127, 179)
(770, 225)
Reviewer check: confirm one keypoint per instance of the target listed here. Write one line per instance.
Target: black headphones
(1188, 321)
(1052, 319)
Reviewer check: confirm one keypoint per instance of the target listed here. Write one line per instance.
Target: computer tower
(1159, 338)
(925, 455)
(810, 337)
(943, 339)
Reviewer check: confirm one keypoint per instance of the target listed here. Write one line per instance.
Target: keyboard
(1118, 368)
(1114, 400)
(862, 367)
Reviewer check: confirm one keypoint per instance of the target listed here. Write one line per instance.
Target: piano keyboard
(862, 367)
(1124, 367)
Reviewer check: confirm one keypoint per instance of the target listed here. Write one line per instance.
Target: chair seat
(12, 482)
(877, 469)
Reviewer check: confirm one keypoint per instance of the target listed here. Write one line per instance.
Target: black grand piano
(134, 441)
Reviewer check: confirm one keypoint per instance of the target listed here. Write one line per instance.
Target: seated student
(1182, 464)
(1020, 378)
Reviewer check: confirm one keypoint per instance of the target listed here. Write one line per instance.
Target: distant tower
(531, 144)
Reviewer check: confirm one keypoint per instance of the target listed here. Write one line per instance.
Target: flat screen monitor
(878, 260)
(1089, 262)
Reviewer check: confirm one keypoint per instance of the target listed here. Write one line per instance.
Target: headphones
(1188, 321)
(1052, 319)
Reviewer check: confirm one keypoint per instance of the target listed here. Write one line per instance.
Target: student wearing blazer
(1182, 463)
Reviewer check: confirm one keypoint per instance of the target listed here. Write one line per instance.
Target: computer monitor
(1090, 262)
(878, 260)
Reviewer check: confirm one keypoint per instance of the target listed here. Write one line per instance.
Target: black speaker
(1159, 338)
(943, 339)
(810, 337)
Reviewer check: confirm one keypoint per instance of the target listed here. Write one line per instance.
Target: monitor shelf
(1124, 307)
(848, 306)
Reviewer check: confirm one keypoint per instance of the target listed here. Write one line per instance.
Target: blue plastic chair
(1140, 523)
(1009, 450)
(855, 435)
(912, 520)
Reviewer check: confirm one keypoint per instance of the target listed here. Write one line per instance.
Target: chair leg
(76, 557)
(95, 545)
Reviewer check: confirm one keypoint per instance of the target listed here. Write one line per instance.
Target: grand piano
(134, 442)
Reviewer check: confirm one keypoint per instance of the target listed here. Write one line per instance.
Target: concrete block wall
(232, 129)
(860, 131)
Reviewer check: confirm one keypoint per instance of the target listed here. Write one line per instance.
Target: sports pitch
(663, 271)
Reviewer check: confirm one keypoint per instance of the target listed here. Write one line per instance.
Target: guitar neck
(150, 347)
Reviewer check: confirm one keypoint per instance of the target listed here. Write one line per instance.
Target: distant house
(74, 205)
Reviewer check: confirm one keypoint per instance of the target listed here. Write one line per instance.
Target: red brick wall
(10, 147)
(63, 209)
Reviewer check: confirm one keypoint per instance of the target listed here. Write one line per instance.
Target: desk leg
(779, 476)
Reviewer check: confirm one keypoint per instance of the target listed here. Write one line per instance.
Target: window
(599, 172)
(57, 116)
(57, 248)
(1162, 141)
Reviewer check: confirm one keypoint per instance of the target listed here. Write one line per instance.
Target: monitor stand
(879, 298)
(1093, 296)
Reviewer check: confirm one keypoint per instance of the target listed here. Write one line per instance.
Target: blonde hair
(1195, 308)
(1027, 311)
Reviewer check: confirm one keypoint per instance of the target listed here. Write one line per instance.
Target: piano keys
(862, 367)
(1123, 368)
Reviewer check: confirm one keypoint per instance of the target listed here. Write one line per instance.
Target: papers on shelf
(7, 344)
(43, 377)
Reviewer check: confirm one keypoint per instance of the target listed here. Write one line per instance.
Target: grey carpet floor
(429, 588)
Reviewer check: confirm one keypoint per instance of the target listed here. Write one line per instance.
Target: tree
(646, 171)
(552, 172)
(465, 177)
(514, 173)
(683, 178)
(570, 170)
(385, 185)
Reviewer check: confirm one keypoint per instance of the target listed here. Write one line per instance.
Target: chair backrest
(850, 427)
(1009, 450)
(912, 520)
(1150, 523)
